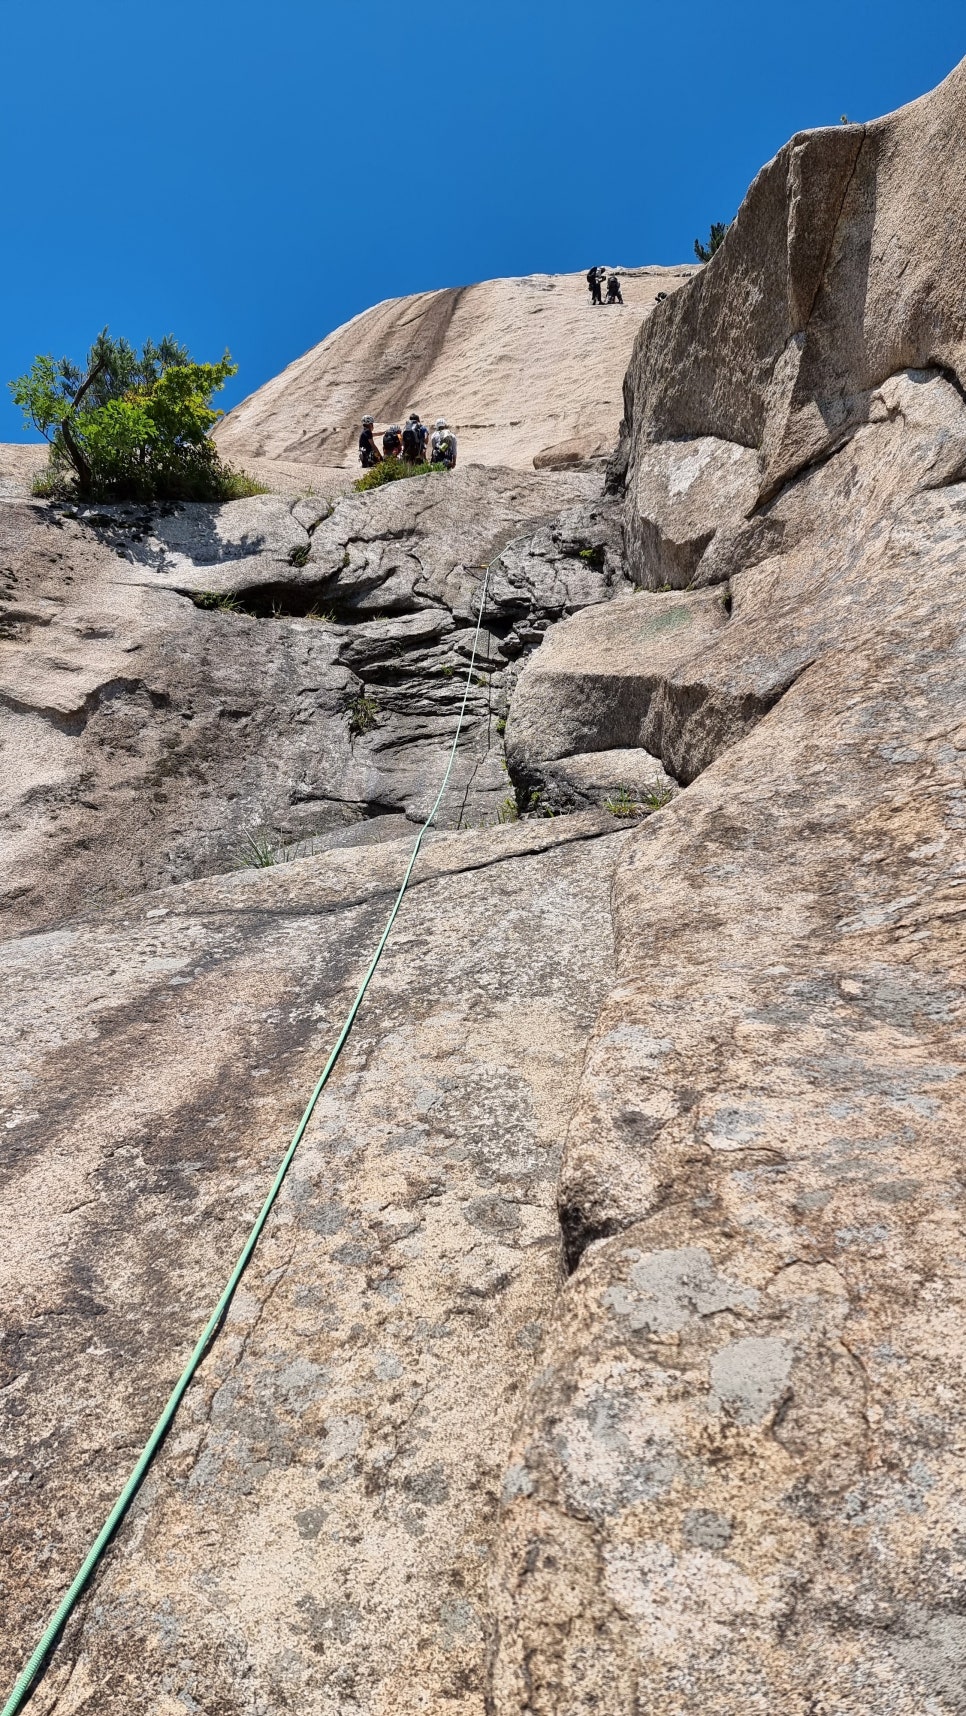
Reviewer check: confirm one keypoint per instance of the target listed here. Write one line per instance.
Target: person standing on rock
(392, 442)
(369, 454)
(411, 444)
(443, 446)
(422, 433)
(614, 290)
(594, 277)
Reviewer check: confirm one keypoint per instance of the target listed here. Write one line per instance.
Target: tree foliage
(130, 425)
(716, 238)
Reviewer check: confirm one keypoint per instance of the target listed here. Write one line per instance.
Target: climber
(421, 431)
(594, 278)
(369, 454)
(614, 290)
(412, 449)
(392, 442)
(443, 446)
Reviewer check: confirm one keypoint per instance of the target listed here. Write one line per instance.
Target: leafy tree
(716, 238)
(131, 425)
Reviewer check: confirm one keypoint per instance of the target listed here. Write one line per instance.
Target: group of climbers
(595, 282)
(408, 444)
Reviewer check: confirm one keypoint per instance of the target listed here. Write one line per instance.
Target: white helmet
(441, 422)
(367, 422)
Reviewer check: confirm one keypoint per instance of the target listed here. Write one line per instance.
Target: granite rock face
(736, 1485)
(316, 1533)
(606, 1353)
(525, 370)
(148, 739)
(841, 269)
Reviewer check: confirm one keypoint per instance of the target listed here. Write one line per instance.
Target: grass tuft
(226, 600)
(652, 798)
(623, 803)
(259, 852)
(363, 714)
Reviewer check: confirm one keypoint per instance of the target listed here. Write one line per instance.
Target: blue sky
(250, 175)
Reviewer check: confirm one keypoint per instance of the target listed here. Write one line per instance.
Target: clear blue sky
(251, 175)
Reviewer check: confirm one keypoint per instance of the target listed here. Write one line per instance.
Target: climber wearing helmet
(443, 445)
(614, 290)
(368, 451)
(392, 442)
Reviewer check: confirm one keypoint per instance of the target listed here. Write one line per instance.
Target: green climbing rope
(28, 1679)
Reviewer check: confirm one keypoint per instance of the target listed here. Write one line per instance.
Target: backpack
(445, 447)
(411, 444)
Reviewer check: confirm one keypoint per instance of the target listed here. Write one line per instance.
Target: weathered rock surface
(737, 1482)
(525, 370)
(316, 1532)
(840, 271)
(633, 675)
(146, 740)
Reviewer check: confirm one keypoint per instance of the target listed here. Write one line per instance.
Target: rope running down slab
(32, 1672)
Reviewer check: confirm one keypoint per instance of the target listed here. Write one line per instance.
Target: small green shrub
(508, 811)
(391, 471)
(130, 426)
(501, 724)
(656, 797)
(300, 554)
(363, 714)
(594, 556)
